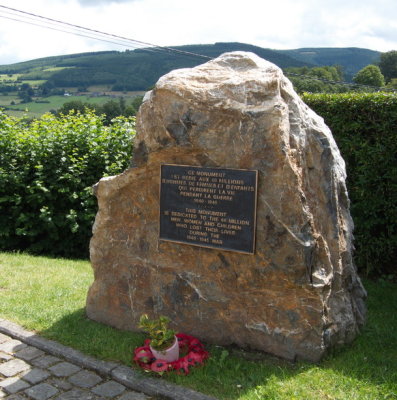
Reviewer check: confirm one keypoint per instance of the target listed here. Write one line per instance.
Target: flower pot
(169, 355)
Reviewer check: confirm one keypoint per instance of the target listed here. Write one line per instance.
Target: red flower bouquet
(188, 345)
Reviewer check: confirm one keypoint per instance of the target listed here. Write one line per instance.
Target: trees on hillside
(76, 106)
(388, 65)
(316, 79)
(370, 75)
(325, 79)
(25, 93)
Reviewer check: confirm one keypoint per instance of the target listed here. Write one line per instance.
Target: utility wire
(136, 44)
(26, 19)
(73, 33)
(107, 34)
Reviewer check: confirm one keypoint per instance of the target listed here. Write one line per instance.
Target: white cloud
(274, 24)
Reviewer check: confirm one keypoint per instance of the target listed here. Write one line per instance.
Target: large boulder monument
(234, 218)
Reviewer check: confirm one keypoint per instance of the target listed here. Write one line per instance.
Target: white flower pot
(169, 355)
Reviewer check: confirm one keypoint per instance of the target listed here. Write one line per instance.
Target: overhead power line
(73, 33)
(60, 28)
(17, 15)
(129, 40)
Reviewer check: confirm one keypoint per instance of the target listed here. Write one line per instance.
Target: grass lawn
(48, 296)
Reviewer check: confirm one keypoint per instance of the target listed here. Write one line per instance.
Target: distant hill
(140, 69)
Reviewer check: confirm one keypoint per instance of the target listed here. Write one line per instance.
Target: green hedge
(47, 169)
(365, 128)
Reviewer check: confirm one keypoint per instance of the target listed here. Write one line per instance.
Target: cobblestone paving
(29, 373)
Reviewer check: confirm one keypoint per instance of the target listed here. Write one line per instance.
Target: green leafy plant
(47, 169)
(160, 335)
(364, 126)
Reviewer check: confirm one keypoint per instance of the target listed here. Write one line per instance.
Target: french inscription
(209, 207)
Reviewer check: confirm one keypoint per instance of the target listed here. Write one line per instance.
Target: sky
(281, 24)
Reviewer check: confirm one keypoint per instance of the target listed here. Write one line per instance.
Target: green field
(6, 100)
(48, 295)
(35, 110)
(9, 78)
(33, 82)
(54, 69)
(36, 76)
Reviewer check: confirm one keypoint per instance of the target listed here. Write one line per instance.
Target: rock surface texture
(299, 294)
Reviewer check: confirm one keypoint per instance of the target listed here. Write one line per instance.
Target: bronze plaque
(209, 207)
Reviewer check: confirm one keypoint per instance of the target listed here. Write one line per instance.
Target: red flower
(143, 355)
(196, 355)
(159, 366)
(194, 358)
(181, 365)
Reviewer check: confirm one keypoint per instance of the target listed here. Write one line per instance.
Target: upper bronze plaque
(209, 207)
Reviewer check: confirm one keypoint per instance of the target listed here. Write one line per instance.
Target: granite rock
(299, 294)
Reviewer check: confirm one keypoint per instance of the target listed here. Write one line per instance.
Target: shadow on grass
(90, 337)
(369, 364)
(233, 374)
(219, 377)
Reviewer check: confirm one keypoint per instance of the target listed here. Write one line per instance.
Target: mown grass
(48, 296)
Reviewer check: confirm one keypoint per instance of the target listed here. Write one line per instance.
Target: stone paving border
(120, 373)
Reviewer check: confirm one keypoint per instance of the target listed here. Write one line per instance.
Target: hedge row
(365, 128)
(47, 169)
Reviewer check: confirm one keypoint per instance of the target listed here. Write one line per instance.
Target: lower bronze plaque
(209, 207)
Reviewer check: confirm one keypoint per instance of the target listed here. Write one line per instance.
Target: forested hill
(139, 69)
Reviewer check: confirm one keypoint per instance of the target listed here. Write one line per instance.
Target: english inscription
(209, 207)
